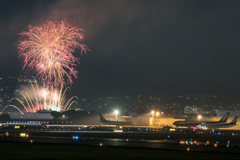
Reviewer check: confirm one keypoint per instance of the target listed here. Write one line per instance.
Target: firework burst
(43, 98)
(48, 48)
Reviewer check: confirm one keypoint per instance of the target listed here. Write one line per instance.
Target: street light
(153, 114)
(116, 112)
(199, 117)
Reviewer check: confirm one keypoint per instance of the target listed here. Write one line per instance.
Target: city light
(157, 114)
(153, 112)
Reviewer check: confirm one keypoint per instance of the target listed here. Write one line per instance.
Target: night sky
(135, 43)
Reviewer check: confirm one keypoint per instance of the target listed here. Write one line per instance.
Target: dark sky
(135, 43)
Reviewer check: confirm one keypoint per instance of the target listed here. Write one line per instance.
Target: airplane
(117, 123)
(199, 123)
(222, 125)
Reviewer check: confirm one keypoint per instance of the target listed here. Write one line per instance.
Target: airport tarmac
(221, 141)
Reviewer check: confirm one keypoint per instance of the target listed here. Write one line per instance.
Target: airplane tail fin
(101, 117)
(224, 118)
(234, 121)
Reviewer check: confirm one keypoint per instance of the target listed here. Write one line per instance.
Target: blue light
(219, 133)
(91, 137)
(139, 129)
(154, 140)
(76, 137)
(146, 129)
(47, 127)
(142, 139)
(168, 136)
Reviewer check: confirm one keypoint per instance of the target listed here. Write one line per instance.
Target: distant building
(193, 109)
(31, 116)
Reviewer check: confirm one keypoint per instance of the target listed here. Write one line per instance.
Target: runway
(136, 139)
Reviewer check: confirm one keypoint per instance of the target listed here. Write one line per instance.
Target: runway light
(73, 137)
(126, 139)
(172, 129)
(186, 142)
(31, 140)
(195, 142)
(215, 145)
(227, 145)
(76, 137)
(216, 142)
(207, 142)
(22, 134)
(188, 149)
(181, 142)
(100, 144)
(228, 142)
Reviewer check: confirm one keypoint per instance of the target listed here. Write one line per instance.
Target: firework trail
(48, 48)
(48, 98)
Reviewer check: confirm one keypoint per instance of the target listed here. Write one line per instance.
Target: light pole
(153, 117)
(157, 114)
(116, 112)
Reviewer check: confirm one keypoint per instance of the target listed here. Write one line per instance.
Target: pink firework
(48, 48)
